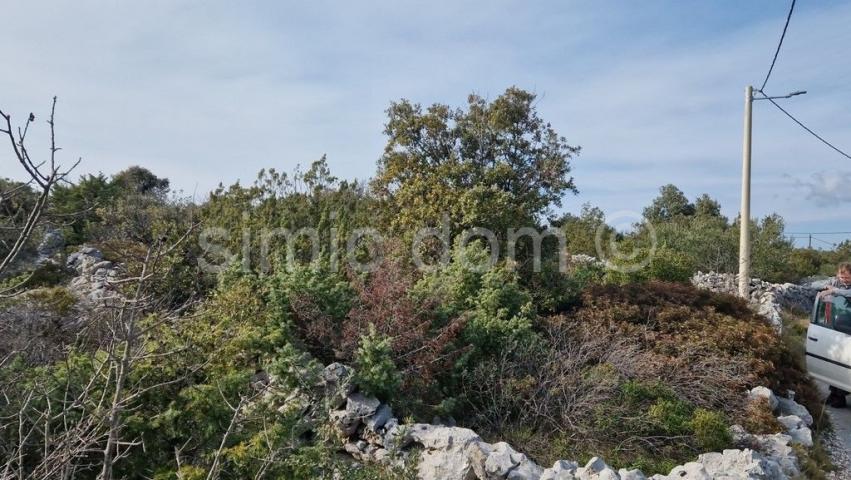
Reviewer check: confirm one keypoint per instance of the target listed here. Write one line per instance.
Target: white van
(829, 341)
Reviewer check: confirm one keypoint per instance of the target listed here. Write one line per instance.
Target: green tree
(581, 231)
(707, 206)
(670, 203)
(140, 180)
(279, 203)
(494, 165)
(770, 250)
(498, 308)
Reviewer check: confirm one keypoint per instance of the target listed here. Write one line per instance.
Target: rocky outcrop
(767, 298)
(94, 275)
(371, 433)
(51, 244)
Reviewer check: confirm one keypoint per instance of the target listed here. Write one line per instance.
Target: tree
(494, 165)
(707, 206)
(278, 201)
(141, 181)
(581, 231)
(79, 204)
(771, 250)
(670, 203)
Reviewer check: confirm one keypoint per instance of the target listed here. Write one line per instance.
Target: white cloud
(828, 188)
(204, 92)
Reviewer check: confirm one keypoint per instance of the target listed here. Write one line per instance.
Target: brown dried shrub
(423, 347)
(563, 396)
(759, 419)
(690, 327)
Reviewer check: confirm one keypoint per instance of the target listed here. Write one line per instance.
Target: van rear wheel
(836, 399)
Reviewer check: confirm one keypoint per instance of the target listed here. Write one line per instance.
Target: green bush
(500, 311)
(554, 291)
(315, 283)
(670, 416)
(313, 301)
(375, 372)
(711, 430)
(662, 264)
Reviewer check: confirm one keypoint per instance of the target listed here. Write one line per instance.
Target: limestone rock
(506, 463)
(741, 464)
(777, 448)
(764, 393)
(625, 474)
(596, 469)
(797, 429)
(791, 407)
(50, 244)
(358, 409)
(689, 471)
(449, 453)
(338, 381)
(561, 470)
(380, 418)
(361, 406)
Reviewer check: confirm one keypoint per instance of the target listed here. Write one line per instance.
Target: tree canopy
(494, 164)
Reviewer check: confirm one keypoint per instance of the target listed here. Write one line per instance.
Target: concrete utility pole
(745, 216)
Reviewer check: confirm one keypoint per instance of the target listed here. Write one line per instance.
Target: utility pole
(745, 215)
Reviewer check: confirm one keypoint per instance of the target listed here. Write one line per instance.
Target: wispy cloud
(213, 91)
(827, 189)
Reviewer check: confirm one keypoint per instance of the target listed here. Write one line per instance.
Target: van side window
(834, 312)
(842, 323)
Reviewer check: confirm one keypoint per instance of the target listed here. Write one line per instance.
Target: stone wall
(767, 298)
(371, 433)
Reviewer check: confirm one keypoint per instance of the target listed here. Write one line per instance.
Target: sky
(204, 92)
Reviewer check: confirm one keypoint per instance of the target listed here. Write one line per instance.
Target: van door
(829, 342)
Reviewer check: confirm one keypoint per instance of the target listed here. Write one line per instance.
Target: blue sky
(203, 92)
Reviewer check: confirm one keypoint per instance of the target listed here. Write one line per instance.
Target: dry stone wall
(372, 434)
(769, 299)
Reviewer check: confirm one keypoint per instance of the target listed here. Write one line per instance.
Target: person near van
(841, 283)
(838, 285)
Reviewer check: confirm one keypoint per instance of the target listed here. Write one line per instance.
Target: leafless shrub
(44, 175)
(547, 386)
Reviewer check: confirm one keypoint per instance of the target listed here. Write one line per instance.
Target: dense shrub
(641, 264)
(314, 300)
(499, 310)
(424, 342)
(711, 430)
(682, 322)
(554, 291)
(375, 372)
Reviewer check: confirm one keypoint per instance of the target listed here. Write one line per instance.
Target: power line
(818, 233)
(805, 127)
(779, 44)
(824, 242)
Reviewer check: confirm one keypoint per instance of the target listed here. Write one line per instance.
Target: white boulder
(757, 393)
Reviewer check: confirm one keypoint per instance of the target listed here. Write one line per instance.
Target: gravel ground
(838, 442)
